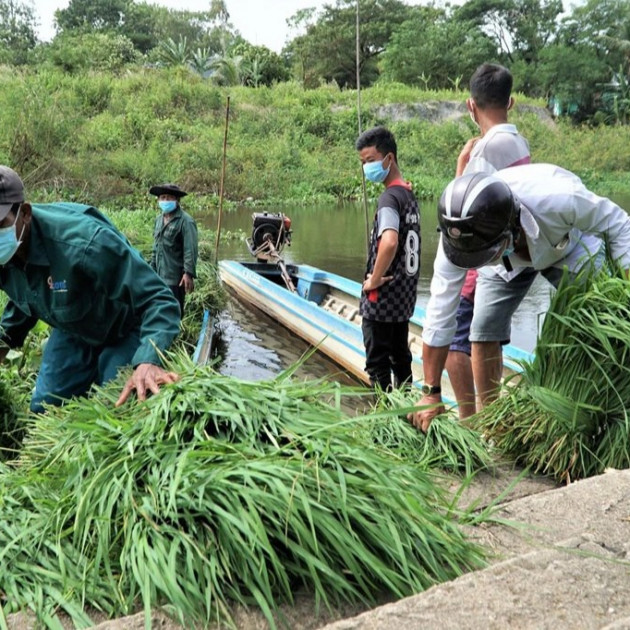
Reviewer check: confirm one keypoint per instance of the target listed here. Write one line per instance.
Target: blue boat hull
(324, 312)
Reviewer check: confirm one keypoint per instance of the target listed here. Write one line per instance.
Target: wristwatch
(429, 390)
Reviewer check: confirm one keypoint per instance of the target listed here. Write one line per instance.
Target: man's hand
(464, 155)
(371, 283)
(431, 407)
(188, 282)
(146, 377)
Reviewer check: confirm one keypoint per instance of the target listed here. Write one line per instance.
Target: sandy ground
(566, 565)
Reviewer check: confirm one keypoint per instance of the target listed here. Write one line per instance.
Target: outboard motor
(270, 233)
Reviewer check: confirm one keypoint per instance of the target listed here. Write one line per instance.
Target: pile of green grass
(568, 415)
(213, 492)
(448, 445)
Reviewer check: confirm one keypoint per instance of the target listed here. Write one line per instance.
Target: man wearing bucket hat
(66, 264)
(175, 243)
(538, 217)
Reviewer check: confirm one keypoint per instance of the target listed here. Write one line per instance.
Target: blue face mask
(9, 241)
(509, 250)
(374, 171)
(167, 206)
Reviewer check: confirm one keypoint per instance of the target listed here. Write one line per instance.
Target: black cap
(11, 190)
(167, 189)
(476, 214)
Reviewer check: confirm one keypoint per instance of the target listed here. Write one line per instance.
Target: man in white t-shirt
(499, 146)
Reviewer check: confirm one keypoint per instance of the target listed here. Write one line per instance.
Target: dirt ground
(563, 561)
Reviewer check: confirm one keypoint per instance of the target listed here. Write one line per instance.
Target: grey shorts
(496, 300)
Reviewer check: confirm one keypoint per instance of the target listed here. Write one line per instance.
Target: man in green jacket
(67, 264)
(175, 244)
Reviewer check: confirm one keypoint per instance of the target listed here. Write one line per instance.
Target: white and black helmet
(476, 214)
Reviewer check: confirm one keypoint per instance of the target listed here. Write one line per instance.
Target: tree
(174, 53)
(327, 50)
(18, 25)
(148, 25)
(589, 65)
(225, 69)
(200, 61)
(434, 51)
(75, 52)
(520, 28)
(260, 65)
(200, 29)
(92, 15)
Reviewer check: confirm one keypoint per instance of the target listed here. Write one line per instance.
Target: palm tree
(200, 61)
(226, 69)
(172, 53)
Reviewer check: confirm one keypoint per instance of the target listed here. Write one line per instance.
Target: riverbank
(105, 139)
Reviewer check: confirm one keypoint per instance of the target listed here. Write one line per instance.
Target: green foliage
(10, 428)
(75, 52)
(217, 491)
(568, 415)
(520, 28)
(260, 66)
(91, 14)
(94, 137)
(18, 25)
(448, 445)
(173, 53)
(327, 51)
(431, 51)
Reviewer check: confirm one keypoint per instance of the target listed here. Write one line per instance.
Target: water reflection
(333, 237)
(255, 347)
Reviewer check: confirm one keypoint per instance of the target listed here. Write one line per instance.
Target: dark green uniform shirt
(175, 247)
(83, 277)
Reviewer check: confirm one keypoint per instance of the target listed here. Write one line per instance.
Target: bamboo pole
(221, 188)
(358, 74)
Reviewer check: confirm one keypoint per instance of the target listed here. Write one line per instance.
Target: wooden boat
(324, 310)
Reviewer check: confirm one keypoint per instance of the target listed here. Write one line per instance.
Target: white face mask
(9, 242)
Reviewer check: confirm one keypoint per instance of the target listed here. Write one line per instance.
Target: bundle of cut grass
(448, 445)
(568, 415)
(10, 428)
(217, 491)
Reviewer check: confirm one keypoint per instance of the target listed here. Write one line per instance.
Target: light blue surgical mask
(374, 171)
(9, 242)
(167, 206)
(509, 250)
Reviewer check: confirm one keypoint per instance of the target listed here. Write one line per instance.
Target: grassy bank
(98, 137)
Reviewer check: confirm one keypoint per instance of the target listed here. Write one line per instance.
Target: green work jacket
(175, 247)
(83, 277)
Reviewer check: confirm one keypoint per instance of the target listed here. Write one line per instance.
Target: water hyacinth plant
(568, 416)
(216, 491)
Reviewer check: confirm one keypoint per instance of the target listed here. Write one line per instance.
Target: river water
(332, 237)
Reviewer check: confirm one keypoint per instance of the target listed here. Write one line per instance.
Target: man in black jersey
(393, 265)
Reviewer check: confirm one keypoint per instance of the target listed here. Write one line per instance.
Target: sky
(261, 22)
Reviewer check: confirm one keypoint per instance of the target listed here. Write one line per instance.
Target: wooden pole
(358, 73)
(225, 136)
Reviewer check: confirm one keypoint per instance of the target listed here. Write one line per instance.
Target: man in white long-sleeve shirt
(537, 216)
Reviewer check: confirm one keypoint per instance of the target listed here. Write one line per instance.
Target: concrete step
(566, 565)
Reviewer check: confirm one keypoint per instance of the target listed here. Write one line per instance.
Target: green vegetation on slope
(96, 137)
